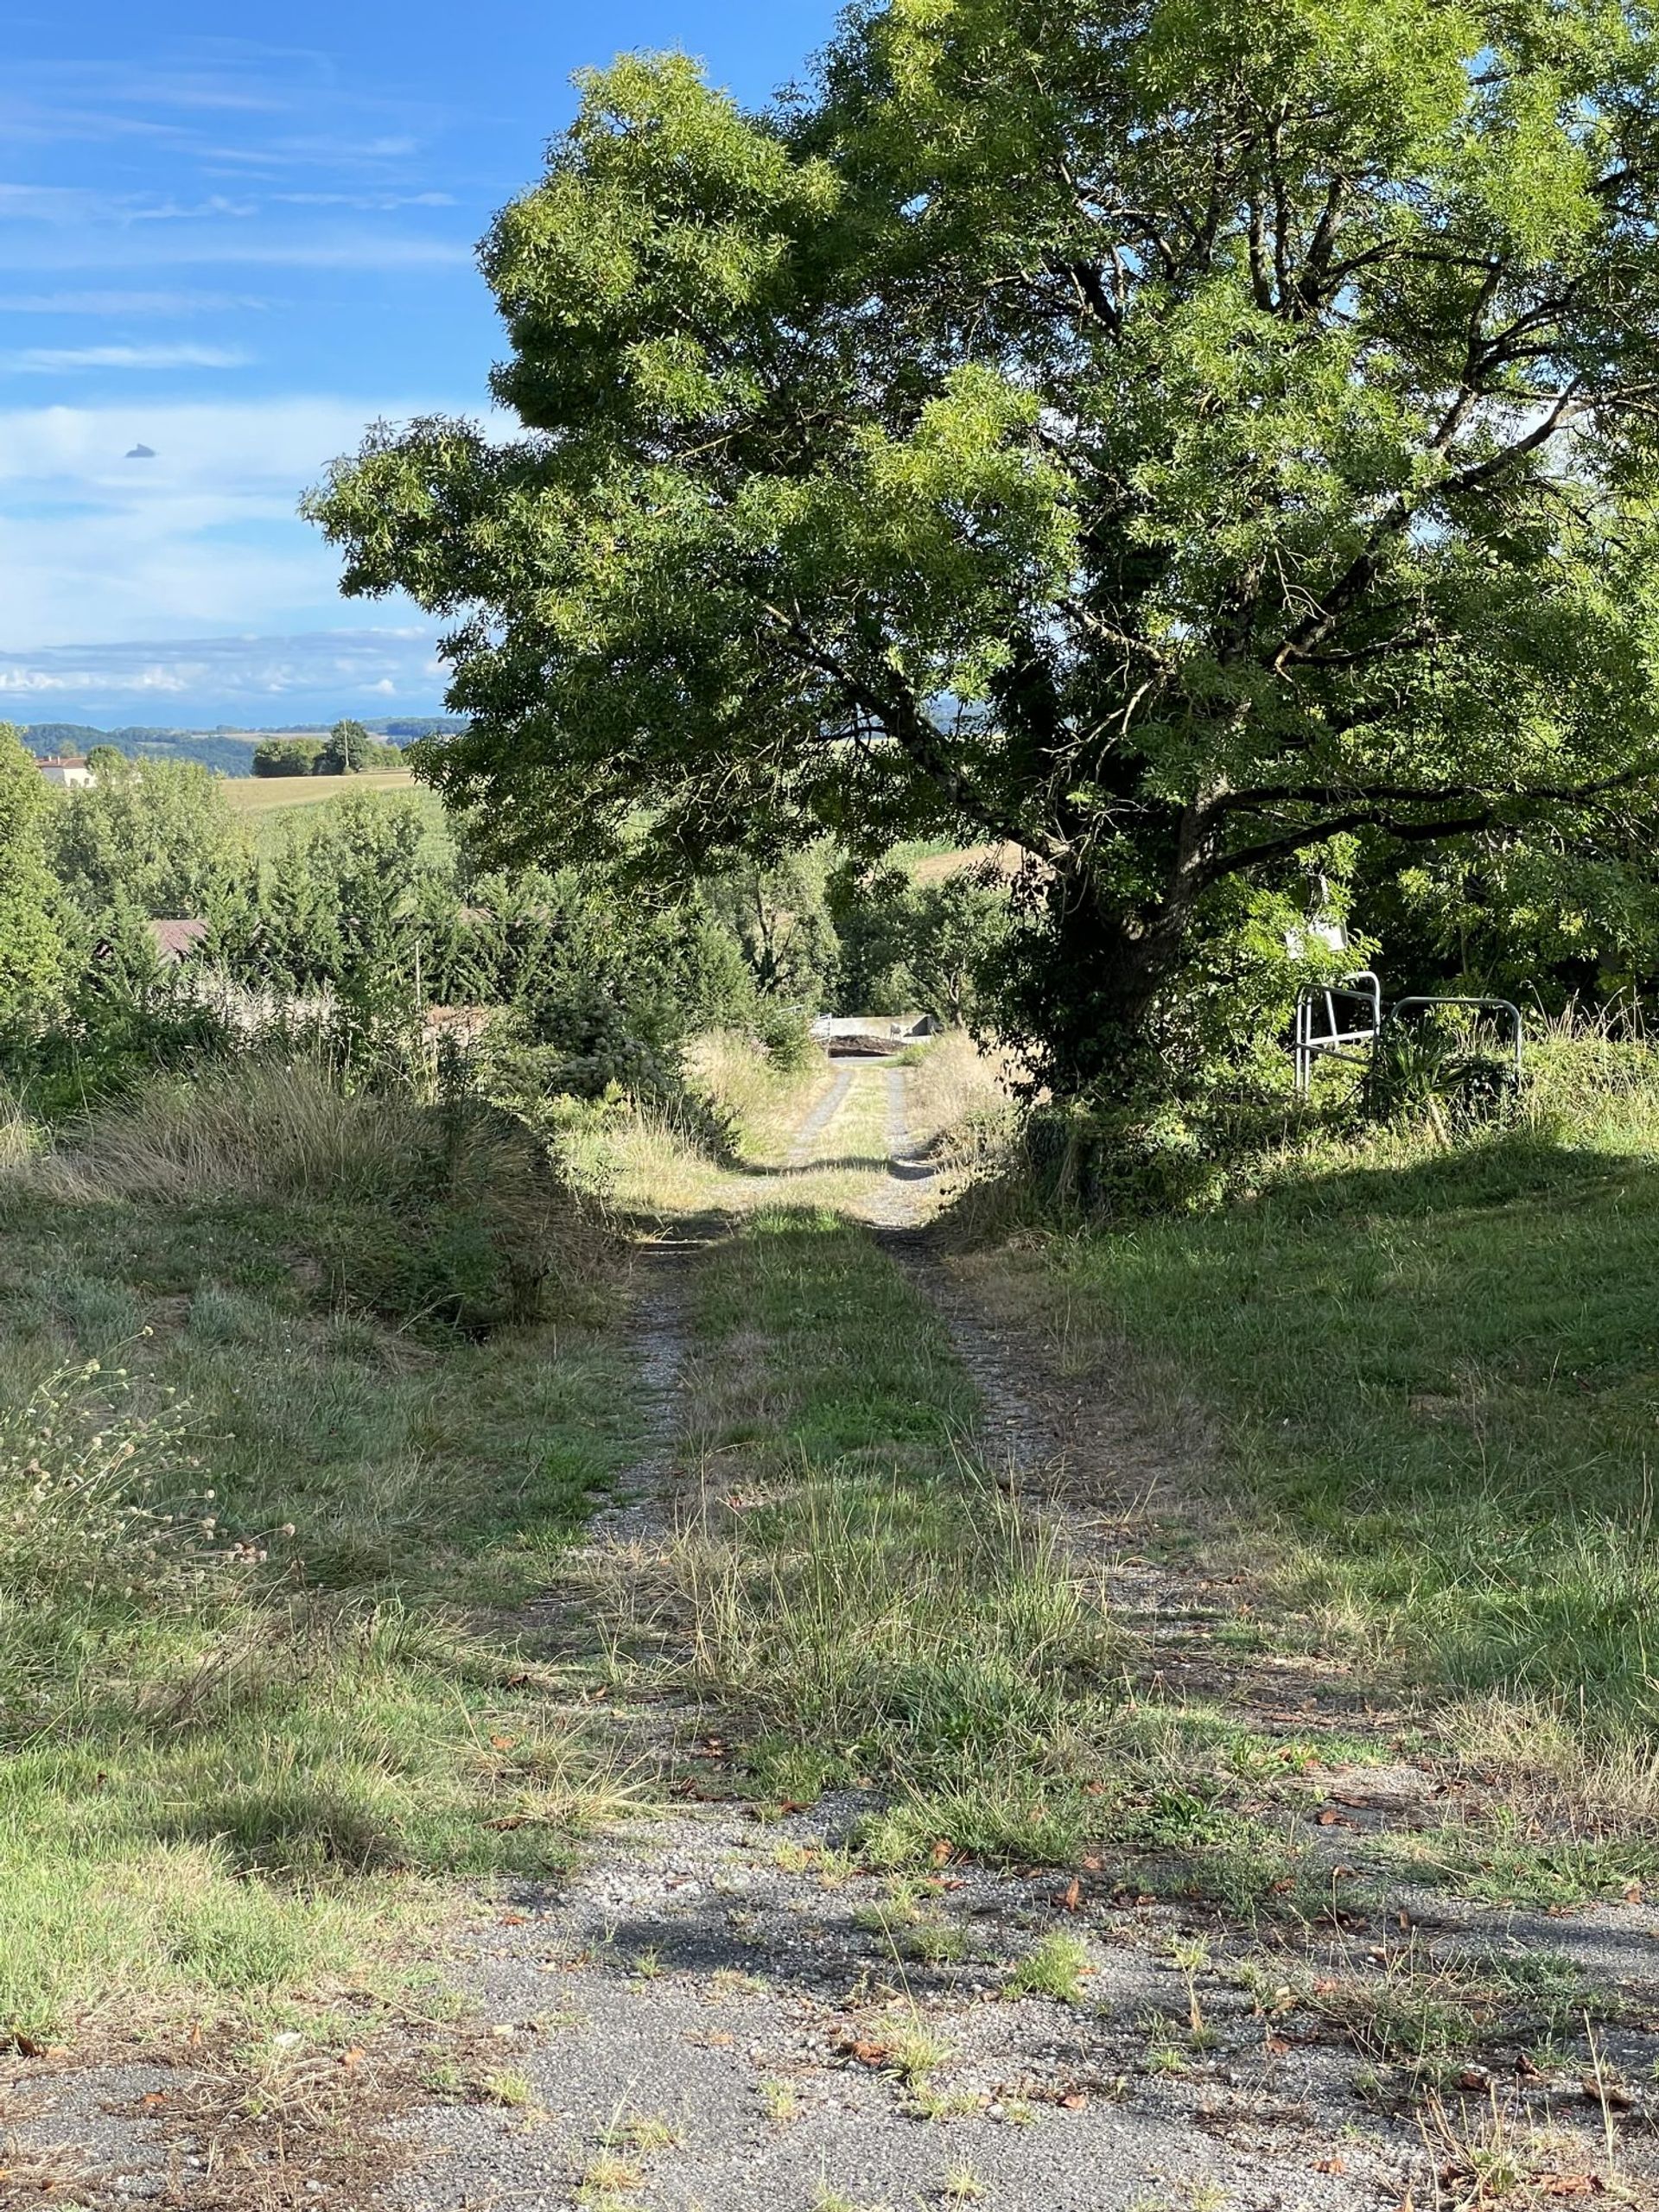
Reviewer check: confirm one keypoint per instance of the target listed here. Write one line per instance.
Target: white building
(69, 771)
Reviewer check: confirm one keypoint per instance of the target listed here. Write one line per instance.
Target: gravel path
(718, 2010)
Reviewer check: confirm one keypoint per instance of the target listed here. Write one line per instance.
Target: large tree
(1167, 436)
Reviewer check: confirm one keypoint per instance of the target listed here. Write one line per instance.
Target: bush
(443, 1213)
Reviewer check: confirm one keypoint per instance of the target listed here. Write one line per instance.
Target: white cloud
(212, 677)
(163, 245)
(41, 359)
(203, 535)
(126, 304)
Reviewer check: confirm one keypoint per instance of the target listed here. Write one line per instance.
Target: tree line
(382, 903)
(349, 749)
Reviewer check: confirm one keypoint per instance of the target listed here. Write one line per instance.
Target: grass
(871, 1610)
(245, 1725)
(1054, 1966)
(267, 794)
(653, 1167)
(1429, 1376)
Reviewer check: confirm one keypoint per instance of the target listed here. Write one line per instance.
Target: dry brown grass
(938, 867)
(264, 794)
(959, 1095)
(262, 1129)
(766, 1102)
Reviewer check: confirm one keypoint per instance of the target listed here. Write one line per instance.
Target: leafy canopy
(1175, 438)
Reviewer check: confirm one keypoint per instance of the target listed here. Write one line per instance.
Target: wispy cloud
(34, 360)
(217, 679)
(128, 303)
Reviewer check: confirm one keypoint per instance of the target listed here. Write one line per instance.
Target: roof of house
(177, 939)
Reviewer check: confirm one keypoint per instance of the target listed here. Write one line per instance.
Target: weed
(780, 2097)
(963, 2186)
(916, 2050)
(1054, 1967)
(507, 2088)
(642, 2131)
(608, 2173)
(1191, 1957)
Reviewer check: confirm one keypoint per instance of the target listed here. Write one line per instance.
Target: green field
(267, 794)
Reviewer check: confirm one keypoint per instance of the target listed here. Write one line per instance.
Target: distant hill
(228, 750)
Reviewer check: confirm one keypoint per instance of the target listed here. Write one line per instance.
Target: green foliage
(781, 921)
(155, 833)
(31, 947)
(928, 948)
(337, 892)
(1164, 438)
(287, 756)
(348, 751)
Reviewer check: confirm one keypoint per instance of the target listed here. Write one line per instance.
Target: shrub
(445, 1213)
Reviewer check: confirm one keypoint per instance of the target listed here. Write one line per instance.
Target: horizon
(220, 260)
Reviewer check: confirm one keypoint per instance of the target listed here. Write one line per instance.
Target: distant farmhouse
(176, 940)
(69, 771)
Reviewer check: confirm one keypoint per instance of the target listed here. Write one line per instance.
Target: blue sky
(237, 252)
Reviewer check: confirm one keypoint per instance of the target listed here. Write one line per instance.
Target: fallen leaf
(513, 1920)
(1071, 1897)
(1611, 2094)
(1075, 2102)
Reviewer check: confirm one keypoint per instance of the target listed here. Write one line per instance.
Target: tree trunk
(1091, 986)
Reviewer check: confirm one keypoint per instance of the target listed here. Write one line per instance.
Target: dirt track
(704, 2016)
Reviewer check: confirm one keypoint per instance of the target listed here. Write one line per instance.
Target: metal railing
(1362, 989)
(1338, 1034)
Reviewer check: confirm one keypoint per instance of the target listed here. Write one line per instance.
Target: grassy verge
(871, 1610)
(285, 1380)
(1434, 1374)
(654, 1165)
